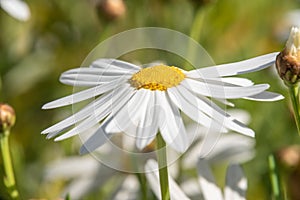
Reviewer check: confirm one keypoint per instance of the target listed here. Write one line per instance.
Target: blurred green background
(61, 33)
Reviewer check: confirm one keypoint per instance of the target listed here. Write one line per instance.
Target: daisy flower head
(147, 100)
(142, 101)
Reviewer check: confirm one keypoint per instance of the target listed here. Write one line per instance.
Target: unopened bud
(290, 156)
(111, 9)
(288, 61)
(7, 117)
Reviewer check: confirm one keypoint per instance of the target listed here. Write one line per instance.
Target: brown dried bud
(288, 61)
(290, 156)
(111, 9)
(7, 117)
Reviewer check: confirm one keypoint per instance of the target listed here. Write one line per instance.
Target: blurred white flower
(16, 8)
(86, 174)
(205, 188)
(142, 101)
(235, 187)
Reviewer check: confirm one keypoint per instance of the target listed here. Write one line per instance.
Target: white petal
(83, 126)
(242, 67)
(95, 141)
(70, 168)
(80, 83)
(215, 112)
(16, 8)
(190, 110)
(129, 188)
(170, 124)
(222, 92)
(152, 177)
(89, 79)
(191, 188)
(98, 71)
(265, 96)
(225, 102)
(129, 114)
(81, 114)
(207, 182)
(53, 134)
(148, 125)
(108, 63)
(78, 188)
(232, 148)
(81, 186)
(240, 114)
(117, 102)
(83, 95)
(233, 81)
(70, 77)
(236, 183)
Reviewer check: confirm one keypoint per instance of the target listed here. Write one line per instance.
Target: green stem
(195, 34)
(163, 167)
(9, 178)
(275, 180)
(143, 183)
(294, 93)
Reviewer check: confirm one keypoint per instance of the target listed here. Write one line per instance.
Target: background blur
(61, 33)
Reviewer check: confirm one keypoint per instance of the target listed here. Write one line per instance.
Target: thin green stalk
(163, 167)
(294, 94)
(195, 33)
(9, 178)
(275, 180)
(143, 183)
(141, 178)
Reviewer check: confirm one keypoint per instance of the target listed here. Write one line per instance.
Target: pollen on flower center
(159, 77)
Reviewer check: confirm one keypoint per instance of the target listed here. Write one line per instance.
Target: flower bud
(7, 117)
(111, 9)
(288, 61)
(289, 156)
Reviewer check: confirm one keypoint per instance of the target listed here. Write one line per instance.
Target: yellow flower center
(159, 77)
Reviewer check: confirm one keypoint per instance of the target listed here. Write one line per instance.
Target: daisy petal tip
(280, 97)
(45, 106)
(48, 137)
(60, 138)
(267, 86)
(49, 105)
(251, 133)
(276, 98)
(140, 145)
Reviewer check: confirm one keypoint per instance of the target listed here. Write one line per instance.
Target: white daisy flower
(16, 8)
(144, 101)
